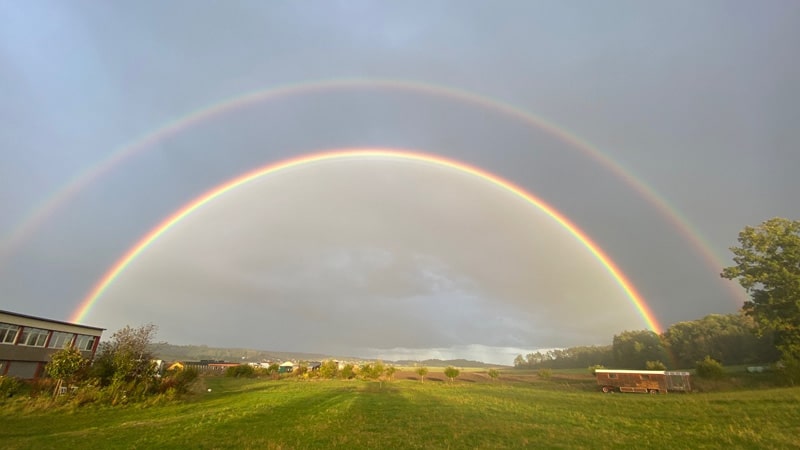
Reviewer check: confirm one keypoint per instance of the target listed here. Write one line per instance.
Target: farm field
(470, 413)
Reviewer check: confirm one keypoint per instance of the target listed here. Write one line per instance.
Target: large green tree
(126, 357)
(767, 265)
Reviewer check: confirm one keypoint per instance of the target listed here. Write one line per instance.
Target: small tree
(710, 368)
(451, 373)
(378, 369)
(422, 371)
(373, 372)
(64, 365)
(655, 365)
(348, 372)
(494, 374)
(390, 370)
(328, 369)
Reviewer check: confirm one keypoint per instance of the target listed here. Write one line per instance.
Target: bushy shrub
(593, 369)
(373, 371)
(42, 387)
(710, 368)
(88, 394)
(493, 374)
(329, 369)
(178, 380)
(348, 372)
(9, 386)
(655, 365)
(365, 372)
(788, 370)
(240, 371)
(545, 373)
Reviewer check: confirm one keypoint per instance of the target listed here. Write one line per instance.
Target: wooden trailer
(643, 381)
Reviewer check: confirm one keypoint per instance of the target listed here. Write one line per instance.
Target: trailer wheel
(653, 391)
(606, 389)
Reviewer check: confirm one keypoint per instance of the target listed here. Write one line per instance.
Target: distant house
(209, 365)
(28, 342)
(222, 366)
(314, 365)
(286, 367)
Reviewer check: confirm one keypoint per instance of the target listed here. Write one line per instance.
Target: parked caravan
(643, 381)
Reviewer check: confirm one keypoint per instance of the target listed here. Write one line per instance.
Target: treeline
(730, 339)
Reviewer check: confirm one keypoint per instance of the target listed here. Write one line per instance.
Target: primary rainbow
(189, 208)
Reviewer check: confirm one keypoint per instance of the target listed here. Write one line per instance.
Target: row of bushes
(329, 369)
(82, 391)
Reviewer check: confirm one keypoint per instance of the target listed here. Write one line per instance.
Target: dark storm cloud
(697, 100)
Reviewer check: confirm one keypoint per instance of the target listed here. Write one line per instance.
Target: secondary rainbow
(38, 215)
(188, 209)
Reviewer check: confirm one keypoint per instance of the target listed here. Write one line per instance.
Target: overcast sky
(386, 257)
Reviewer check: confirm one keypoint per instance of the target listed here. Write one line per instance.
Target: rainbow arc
(360, 154)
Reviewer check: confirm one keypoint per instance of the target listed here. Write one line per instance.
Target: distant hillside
(171, 352)
(446, 362)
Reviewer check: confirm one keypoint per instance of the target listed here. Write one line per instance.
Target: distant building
(27, 342)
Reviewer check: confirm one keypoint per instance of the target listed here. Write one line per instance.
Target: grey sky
(696, 99)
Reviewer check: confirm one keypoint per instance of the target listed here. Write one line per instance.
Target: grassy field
(471, 413)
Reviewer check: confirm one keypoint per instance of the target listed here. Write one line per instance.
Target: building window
(85, 343)
(8, 333)
(645, 377)
(60, 340)
(612, 375)
(34, 337)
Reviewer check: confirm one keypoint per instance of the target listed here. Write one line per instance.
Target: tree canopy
(767, 265)
(126, 356)
(422, 371)
(451, 373)
(633, 349)
(64, 365)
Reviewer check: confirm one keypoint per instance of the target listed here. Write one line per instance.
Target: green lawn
(409, 414)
